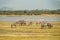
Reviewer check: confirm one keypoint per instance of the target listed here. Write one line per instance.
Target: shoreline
(42, 15)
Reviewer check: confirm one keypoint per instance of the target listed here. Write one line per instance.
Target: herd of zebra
(23, 23)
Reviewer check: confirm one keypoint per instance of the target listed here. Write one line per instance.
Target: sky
(29, 4)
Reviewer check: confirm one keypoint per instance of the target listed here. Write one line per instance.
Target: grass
(28, 38)
(33, 32)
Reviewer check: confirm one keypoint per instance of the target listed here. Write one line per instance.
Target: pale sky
(30, 4)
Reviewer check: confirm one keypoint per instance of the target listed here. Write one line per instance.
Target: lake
(28, 18)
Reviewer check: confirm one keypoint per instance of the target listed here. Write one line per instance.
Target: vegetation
(28, 38)
(29, 12)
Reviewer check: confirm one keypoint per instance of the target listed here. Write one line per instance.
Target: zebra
(20, 23)
(13, 25)
(45, 24)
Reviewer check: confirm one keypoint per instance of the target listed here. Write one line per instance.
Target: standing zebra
(45, 24)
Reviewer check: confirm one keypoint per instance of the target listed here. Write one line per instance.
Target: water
(29, 18)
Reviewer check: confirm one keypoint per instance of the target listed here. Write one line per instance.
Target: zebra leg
(49, 27)
(11, 26)
(21, 24)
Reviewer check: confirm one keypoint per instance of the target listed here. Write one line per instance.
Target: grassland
(33, 32)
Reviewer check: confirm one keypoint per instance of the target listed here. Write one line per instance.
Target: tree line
(29, 12)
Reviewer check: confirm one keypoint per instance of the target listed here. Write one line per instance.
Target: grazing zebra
(20, 22)
(49, 25)
(13, 25)
(45, 24)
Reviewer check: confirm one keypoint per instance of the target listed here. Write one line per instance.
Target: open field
(33, 32)
(29, 38)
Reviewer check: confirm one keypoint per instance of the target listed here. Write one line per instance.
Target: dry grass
(33, 32)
